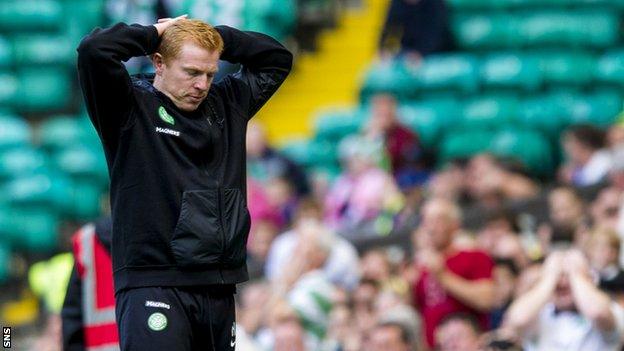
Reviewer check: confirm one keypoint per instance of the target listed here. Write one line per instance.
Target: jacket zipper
(219, 205)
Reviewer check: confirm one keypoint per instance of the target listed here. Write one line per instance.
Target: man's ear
(158, 62)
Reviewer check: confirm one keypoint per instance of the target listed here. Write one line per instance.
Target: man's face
(438, 225)
(186, 78)
(456, 335)
(387, 338)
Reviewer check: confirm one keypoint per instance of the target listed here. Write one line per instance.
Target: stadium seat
(85, 200)
(387, 77)
(543, 113)
(43, 50)
(43, 190)
(311, 152)
(565, 67)
(276, 18)
(5, 263)
(80, 161)
(6, 53)
(32, 230)
(486, 31)
(14, 132)
(529, 147)
(60, 131)
(429, 118)
(30, 15)
(610, 67)
(489, 112)
(463, 144)
(43, 89)
(8, 89)
(599, 108)
(335, 123)
(511, 71)
(448, 72)
(569, 28)
(20, 162)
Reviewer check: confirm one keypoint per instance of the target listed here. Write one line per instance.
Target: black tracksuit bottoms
(176, 318)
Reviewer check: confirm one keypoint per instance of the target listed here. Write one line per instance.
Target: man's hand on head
(164, 23)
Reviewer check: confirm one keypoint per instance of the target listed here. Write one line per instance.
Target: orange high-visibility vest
(95, 269)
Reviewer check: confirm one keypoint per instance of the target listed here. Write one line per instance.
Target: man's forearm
(525, 309)
(478, 294)
(591, 302)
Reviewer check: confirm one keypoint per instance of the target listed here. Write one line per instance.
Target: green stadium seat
(599, 108)
(9, 85)
(336, 123)
(610, 67)
(6, 53)
(43, 89)
(82, 162)
(32, 230)
(529, 147)
(30, 15)
(20, 162)
(49, 190)
(463, 144)
(452, 72)
(489, 112)
(276, 18)
(14, 132)
(542, 113)
(311, 152)
(5, 263)
(566, 67)
(429, 118)
(85, 200)
(569, 28)
(387, 77)
(61, 131)
(42, 49)
(486, 31)
(511, 71)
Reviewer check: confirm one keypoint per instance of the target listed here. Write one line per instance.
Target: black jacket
(178, 183)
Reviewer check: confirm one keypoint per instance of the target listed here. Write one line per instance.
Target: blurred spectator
(258, 245)
(567, 221)
(491, 182)
(565, 310)
(88, 312)
(416, 28)
(458, 332)
(341, 267)
(362, 192)
(587, 163)
(505, 275)
(499, 238)
(603, 253)
(448, 183)
(265, 163)
(449, 279)
(390, 336)
(400, 143)
(605, 209)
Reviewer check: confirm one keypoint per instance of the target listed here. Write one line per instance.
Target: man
(175, 147)
(565, 310)
(458, 332)
(449, 278)
(391, 336)
(88, 313)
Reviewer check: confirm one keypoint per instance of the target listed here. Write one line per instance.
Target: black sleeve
(393, 23)
(105, 83)
(71, 315)
(265, 65)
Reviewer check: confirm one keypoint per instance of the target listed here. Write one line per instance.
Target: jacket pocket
(236, 224)
(197, 239)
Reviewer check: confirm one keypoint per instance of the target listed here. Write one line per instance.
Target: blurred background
(407, 127)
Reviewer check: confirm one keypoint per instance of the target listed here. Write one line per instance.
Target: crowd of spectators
(539, 268)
